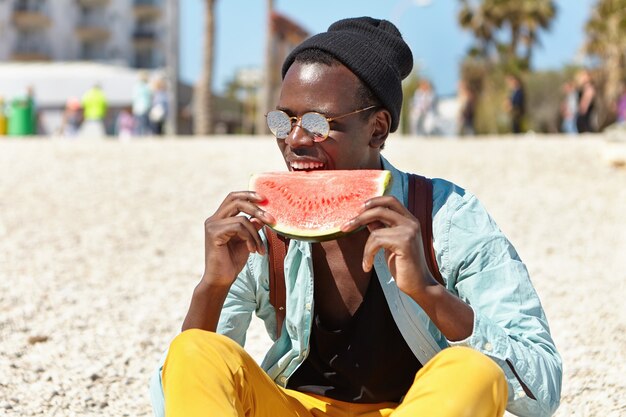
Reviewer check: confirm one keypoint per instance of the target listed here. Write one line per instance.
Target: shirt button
(488, 347)
(308, 306)
(521, 394)
(283, 379)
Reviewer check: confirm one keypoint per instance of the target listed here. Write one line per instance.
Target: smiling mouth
(306, 165)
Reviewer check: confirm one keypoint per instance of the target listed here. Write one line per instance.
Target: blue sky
(438, 44)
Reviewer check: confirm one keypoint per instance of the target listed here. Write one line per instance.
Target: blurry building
(125, 32)
(285, 36)
(228, 112)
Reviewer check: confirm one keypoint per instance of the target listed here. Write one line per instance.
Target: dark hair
(364, 95)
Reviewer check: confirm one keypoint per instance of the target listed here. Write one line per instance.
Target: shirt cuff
(487, 337)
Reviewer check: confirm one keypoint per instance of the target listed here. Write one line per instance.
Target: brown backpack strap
(421, 205)
(277, 252)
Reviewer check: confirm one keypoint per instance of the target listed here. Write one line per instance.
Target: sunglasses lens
(279, 123)
(316, 124)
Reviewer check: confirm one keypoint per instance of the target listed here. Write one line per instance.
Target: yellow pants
(206, 374)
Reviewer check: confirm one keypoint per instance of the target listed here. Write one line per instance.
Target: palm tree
(505, 33)
(203, 103)
(538, 15)
(479, 22)
(522, 19)
(606, 40)
(525, 18)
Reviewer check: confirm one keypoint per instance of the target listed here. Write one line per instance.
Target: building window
(144, 59)
(92, 51)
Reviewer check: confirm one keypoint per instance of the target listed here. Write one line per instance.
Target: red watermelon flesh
(312, 205)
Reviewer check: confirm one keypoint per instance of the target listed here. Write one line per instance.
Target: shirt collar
(399, 182)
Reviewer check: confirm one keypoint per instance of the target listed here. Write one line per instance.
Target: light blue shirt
(142, 99)
(478, 264)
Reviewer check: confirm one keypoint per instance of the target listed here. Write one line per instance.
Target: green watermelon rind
(384, 184)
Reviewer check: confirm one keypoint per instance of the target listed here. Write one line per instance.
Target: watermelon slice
(312, 205)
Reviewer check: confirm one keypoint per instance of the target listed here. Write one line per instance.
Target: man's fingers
(243, 202)
(385, 210)
(379, 215)
(254, 232)
(265, 216)
(372, 246)
(375, 226)
(237, 227)
(387, 201)
(394, 240)
(258, 225)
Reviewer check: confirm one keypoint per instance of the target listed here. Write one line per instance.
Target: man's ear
(381, 123)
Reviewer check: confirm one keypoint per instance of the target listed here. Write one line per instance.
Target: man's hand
(229, 237)
(393, 228)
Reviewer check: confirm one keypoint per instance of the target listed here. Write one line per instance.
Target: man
(369, 331)
(142, 101)
(424, 109)
(586, 102)
(569, 105)
(516, 103)
(94, 111)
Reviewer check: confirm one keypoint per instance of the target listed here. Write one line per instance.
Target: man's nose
(299, 137)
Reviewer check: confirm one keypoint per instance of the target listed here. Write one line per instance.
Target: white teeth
(306, 165)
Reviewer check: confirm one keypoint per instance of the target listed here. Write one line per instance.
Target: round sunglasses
(281, 124)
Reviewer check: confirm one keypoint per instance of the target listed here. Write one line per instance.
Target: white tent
(54, 82)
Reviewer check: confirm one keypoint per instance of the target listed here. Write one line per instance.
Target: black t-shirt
(366, 361)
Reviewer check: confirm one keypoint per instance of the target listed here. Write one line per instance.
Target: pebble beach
(101, 245)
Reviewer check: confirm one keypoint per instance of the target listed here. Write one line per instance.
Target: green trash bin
(21, 117)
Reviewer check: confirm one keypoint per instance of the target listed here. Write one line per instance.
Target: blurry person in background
(3, 118)
(159, 107)
(95, 109)
(569, 104)
(467, 109)
(125, 124)
(30, 100)
(142, 100)
(72, 117)
(424, 109)
(620, 109)
(516, 104)
(586, 102)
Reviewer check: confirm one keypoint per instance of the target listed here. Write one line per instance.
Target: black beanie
(373, 50)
